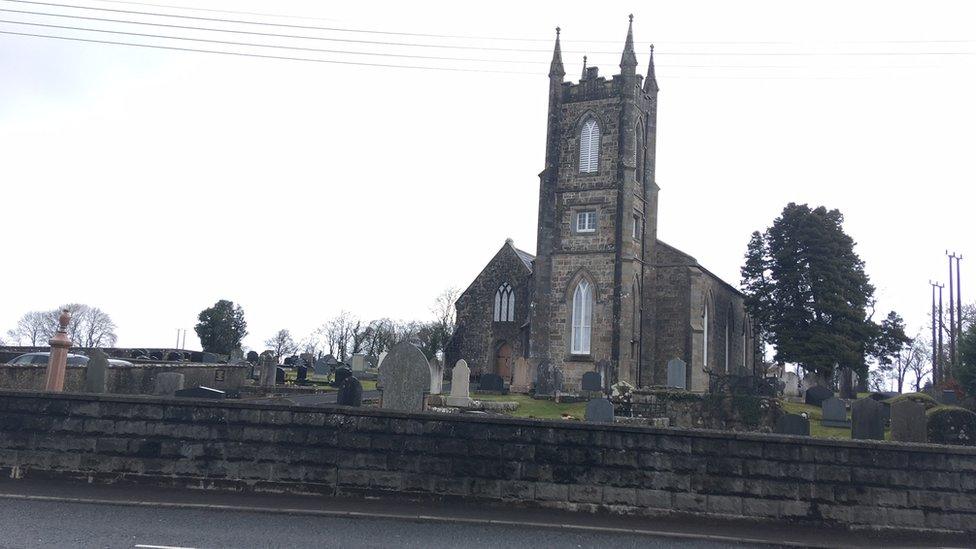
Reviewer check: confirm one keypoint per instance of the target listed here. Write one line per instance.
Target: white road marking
(161, 547)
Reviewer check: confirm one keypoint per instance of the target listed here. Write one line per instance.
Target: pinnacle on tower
(629, 59)
(556, 67)
(650, 82)
(583, 76)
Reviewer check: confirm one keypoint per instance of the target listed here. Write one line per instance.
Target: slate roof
(526, 258)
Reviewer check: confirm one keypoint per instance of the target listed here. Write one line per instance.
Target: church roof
(526, 258)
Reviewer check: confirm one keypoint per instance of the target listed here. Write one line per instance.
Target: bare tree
(912, 358)
(95, 328)
(281, 344)
(922, 367)
(32, 329)
(338, 335)
(443, 308)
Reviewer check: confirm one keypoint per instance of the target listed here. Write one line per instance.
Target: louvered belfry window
(589, 147)
(505, 303)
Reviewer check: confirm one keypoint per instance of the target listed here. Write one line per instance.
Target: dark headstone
(677, 373)
(200, 392)
(253, 357)
(834, 413)
(599, 410)
(96, 373)
(350, 392)
(301, 373)
(492, 382)
(592, 382)
(279, 375)
(908, 421)
(867, 421)
(817, 394)
(948, 397)
(792, 424)
(341, 374)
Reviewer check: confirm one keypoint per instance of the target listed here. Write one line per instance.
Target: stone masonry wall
(138, 379)
(587, 467)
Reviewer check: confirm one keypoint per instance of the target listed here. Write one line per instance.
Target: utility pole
(942, 372)
(183, 347)
(177, 339)
(958, 298)
(952, 316)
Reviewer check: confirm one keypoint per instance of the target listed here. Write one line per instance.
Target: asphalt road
(52, 524)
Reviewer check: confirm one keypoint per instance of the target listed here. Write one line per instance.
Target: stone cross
(867, 421)
(58, 361)
(460, 385)
(404, 378)
(96, 373)
(908, 421)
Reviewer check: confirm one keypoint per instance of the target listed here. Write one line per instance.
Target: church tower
(597, 223)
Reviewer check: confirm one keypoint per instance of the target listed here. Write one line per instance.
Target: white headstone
(791, 384)
(436, 376)
(379, 362)
(358, 363)
(460, 385)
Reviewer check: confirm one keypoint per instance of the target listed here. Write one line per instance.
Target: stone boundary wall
(138, 379)
(568, 465)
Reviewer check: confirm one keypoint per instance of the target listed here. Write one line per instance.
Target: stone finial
(650, 82)
(63, 321)
(509, 241)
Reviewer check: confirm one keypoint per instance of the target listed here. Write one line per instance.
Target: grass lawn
(539, 409)
(816, 414)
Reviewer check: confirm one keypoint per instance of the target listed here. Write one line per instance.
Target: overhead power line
(409, 44)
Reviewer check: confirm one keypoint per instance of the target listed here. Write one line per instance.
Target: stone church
(602, 293)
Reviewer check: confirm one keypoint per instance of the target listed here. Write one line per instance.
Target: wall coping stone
(511, 421)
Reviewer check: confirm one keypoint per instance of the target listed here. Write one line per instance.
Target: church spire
(556, 67)
(650, 82)
(628, 61)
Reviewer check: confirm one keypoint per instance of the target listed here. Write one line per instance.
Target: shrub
(951, 425)
(924, 399)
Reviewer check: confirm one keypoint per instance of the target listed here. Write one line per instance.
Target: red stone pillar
(58, 361)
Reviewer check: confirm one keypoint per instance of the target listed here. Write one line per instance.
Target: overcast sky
(152, 183)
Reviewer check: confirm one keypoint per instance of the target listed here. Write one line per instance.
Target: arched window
(582, 318)
(641, 150)
(728, 340)
(705, 337)
(589, 147)
(505, 303)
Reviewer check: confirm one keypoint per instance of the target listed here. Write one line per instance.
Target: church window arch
(640, 146)
(706, 321)
(582, 318)
(505, 303)
(589, 142)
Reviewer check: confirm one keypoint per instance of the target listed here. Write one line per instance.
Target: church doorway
(503, 362)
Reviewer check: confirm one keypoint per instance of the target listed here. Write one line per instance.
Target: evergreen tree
(756, 286)
(890, 342)
(221, 328)
(807, 285)
(966, 369)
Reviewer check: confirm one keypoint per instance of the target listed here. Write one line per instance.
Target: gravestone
(948, 397)
(492, 382)
(382, 357)
(908, 421)
(549, 379)
(460, 385)
(167, 383)
(677, 373)
(521, 376)
(279, 375)
(404, 378)
(791, 384)
(834, 413)
(436, 376)
(867, 421)
(301, 373)
(817, 394)
(599, 410)
(200, 392)
(350, 392)
(358, 363)
(253, 357)
(592, 381)
(792, 424)
(268, 368)
(321, 367)
(603, 368)
(96, 373)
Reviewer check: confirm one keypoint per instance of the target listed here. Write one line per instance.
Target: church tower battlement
(597, 219)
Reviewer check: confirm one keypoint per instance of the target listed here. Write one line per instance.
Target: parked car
(42, 358)
(73, 360)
